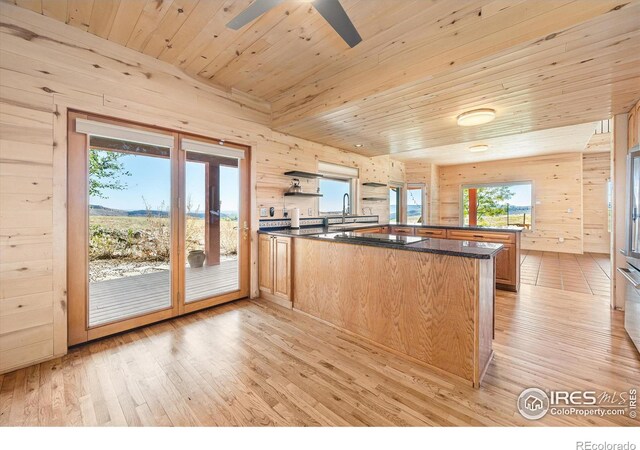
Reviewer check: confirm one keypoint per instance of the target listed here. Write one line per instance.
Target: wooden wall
(47, 68)
(595, 177)
(557, 184)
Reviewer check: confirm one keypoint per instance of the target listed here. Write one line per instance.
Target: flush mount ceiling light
(476, 117)
(358, 145)
(479, 148)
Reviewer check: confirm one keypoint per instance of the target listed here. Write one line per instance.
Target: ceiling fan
(331, 10)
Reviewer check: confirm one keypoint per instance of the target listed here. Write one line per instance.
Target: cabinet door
(265, 262)
(282, 267)
(505, 266)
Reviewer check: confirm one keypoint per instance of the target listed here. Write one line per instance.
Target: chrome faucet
(345, 197)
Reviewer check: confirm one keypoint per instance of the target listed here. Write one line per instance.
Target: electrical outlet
(310, 212)
(263, 212)
(285, 213)
(272, 211)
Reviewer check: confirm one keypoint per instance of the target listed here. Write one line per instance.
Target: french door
(158, 225)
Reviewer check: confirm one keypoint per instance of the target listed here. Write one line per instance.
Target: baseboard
(275, 299)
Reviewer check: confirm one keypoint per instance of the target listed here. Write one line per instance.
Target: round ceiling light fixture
(476, 117)
(358, 145)
(479, 148)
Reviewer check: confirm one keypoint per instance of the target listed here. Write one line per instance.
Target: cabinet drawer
(431, 232)
(401, 230)
(484, 236)
(381, 230)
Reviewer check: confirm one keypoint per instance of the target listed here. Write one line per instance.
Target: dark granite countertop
(510, 229)
(466, 249)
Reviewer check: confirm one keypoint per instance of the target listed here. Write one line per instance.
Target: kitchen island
(428, 299)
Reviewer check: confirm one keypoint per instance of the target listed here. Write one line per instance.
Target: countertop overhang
(465, 249)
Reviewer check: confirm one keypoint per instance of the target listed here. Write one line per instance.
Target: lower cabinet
(506, 267)
(507, 261)
(274, 269)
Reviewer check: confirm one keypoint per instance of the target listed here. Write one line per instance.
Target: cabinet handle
(478, 235)
(627, 274)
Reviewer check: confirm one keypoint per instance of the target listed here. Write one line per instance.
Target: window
(333, 191)
(395, 204)
(416, 195)
(498, 205)
(338, 180)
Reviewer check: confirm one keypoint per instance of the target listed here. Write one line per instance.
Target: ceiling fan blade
(255, 10)
(334, 13)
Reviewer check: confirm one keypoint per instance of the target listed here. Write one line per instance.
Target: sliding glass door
(129, 238)
(213, 233)
(158, 225)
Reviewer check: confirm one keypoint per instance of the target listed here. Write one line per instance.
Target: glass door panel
(129, 230)
(415, 195)
(212, 229)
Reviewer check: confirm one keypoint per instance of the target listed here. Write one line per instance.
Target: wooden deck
(114, 300)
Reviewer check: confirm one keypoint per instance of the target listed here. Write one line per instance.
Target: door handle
(627, 274)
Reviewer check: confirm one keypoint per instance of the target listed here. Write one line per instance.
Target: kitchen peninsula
(429, 299)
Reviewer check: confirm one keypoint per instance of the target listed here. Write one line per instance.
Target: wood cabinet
(274, 269)
(507, 261)
(634, 126)
(400, 230)
(373, 230)
(431, 232)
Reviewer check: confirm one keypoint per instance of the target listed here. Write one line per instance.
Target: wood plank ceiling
(539, 64)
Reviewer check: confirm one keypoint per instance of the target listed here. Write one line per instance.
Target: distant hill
(99, 210)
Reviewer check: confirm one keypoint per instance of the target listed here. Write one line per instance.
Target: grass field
(149, 238)
(501, 221)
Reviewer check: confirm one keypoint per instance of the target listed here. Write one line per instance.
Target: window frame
(352, 182)
(498, 184)
(401, 213)
(424, 198)
(338, 172)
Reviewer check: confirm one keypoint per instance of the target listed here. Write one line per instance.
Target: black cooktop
(376, 237)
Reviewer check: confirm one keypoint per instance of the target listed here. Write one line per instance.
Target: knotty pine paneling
(47, 68)
(557, 187)
(595, 177)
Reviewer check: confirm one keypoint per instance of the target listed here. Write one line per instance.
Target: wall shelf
(374, 199)
(302, 194)
(374, 184)
(300, 174)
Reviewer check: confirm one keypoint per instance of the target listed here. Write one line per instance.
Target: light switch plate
(310, 212)
(263, 212)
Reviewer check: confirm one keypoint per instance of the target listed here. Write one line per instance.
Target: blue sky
(522, 195)
(332, 191)
(151, 178)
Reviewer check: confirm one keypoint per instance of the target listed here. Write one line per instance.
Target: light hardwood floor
(588, 273)
(251, 364)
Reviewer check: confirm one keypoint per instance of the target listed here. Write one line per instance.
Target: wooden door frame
(244, 227)
(78, 229)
